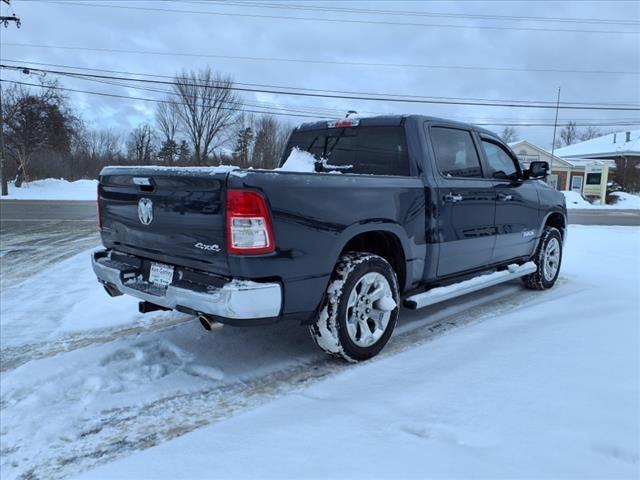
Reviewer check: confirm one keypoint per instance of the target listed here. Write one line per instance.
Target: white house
(621, 149)
(565, 174)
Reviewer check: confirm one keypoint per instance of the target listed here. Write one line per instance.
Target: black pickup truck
(407, 210)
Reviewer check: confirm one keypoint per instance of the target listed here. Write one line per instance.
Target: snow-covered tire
(548, 258)
(354, 323)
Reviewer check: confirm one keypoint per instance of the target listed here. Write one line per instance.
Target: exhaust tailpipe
(111, 290)
(208, 323)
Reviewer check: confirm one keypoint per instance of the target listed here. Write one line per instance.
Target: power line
(320, 111)
(508, 18)
(154, 100)
(329, 62)
(350, 92)
(129, 97)
(347, 97)
(337, 112)
(343, 20)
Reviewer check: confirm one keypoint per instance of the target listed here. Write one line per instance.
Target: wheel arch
(557, 220)
(382, 241)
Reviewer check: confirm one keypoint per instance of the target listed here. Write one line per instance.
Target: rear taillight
(248, 223)
(99, 210)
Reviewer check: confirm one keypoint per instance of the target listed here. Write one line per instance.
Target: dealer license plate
(161, 274)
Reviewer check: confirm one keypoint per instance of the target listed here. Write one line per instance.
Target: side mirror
(537, 169)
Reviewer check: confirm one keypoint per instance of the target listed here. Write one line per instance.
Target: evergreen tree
(242, 149)
(184, 154)
(169, 152)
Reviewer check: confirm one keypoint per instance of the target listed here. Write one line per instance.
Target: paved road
(36, 234)
(605, 217)
(37, 210)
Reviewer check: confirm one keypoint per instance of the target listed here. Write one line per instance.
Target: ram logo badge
(145, 211)
(209, 248)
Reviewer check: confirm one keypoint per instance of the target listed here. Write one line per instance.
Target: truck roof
(393, 120)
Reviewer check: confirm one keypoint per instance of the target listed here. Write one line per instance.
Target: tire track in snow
(12, 357)
(120, 431)
(29, 248)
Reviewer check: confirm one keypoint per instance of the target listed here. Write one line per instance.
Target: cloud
(116, 28)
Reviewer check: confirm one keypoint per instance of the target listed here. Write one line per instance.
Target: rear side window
(456, 155)
(501, 165)
(364, 150)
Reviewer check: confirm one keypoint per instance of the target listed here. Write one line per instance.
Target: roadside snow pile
(626, 201)
(575, 200)
(298, 161)
(546, 389)
(53, 189)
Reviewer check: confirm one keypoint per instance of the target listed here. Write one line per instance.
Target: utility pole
(3, 177)
(555, 126)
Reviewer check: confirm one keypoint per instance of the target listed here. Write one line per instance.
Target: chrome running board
(440, 294)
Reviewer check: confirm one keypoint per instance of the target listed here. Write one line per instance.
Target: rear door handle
(504, 197)
(452, 197)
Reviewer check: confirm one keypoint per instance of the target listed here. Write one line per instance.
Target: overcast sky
(521, 45)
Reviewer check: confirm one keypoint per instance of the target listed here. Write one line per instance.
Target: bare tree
(271, 137)
(589, 133)
(140, 144)
(102, 143)
(509, 134)
(569, 134)
(208, 109)
(167, 119)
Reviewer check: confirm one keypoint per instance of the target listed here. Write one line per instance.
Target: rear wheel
(360, 308)
(547, 258)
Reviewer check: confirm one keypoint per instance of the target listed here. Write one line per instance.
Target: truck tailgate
(170, 215)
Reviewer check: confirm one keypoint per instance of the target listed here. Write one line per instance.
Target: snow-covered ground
(626, 201)
(53, 189)
(502, 383)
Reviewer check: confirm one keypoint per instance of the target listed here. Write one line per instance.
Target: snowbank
(626, 201)
(549, 389)
(575, 200)
(53, 189)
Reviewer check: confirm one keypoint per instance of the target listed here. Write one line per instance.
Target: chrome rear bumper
(237, 299)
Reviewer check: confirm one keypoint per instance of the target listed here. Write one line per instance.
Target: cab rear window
(364, 150)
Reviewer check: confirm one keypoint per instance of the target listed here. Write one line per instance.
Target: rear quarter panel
(315, 215)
